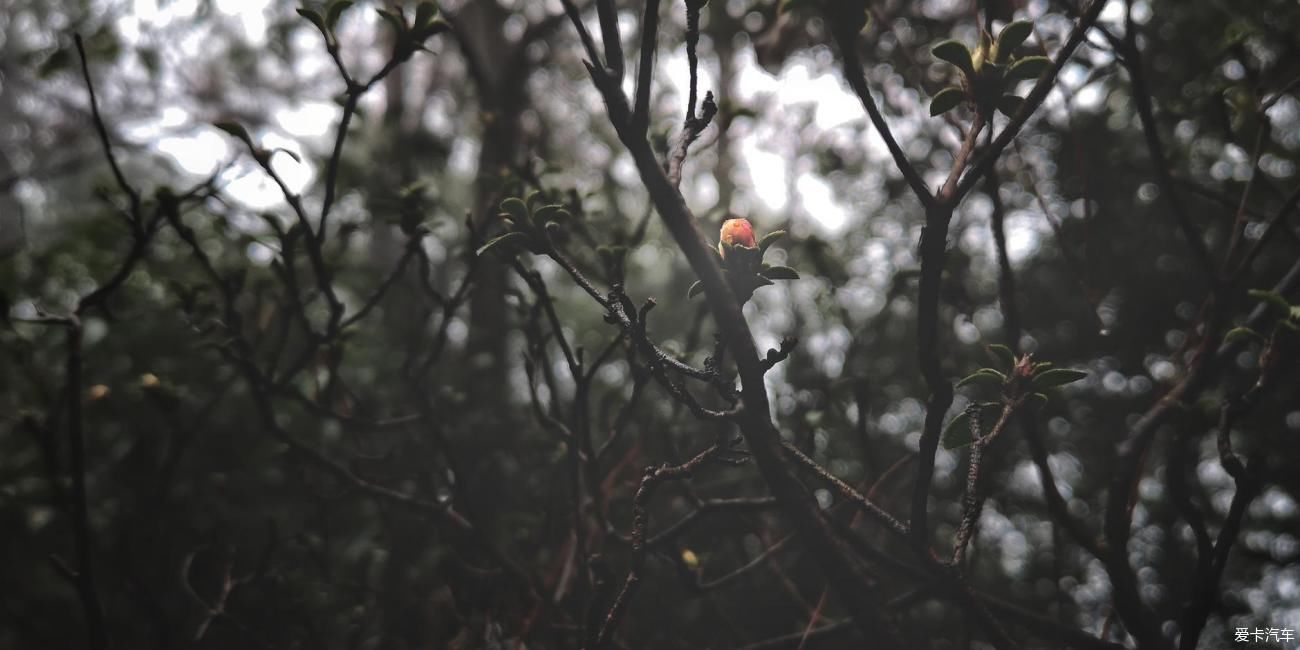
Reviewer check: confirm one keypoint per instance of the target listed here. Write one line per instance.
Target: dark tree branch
(1132, 61)
(102, 130)
(640, 120)
(1056, 504)
(847, 579)
(611, 39)
(83, 534)
(973, 501)
(651, 480)
(846, 39)
(1274, 223)
(412, 245)
(876, 512)
(708, 507)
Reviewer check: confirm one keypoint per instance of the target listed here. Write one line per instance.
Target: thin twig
(853, 73)
(651, 480)
(102, 130)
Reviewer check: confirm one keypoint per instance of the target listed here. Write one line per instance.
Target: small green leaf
(507, 240)
(696, 289)
(61, 59)
(779, 273)
(1009, 105)
(946, 100)
(956, 53)
(957, 433)
(1030, 67)
(1041, 366)
(1271, 297)
(517, 211)
(1058, 377)
(551, 213)
(438, 26)
(535, 200)
(315, 19)
(395, 19)
(769, 239)
(1011, 37)
(1242, 334)
(983, 376)
(611, 257)
(335, 10)
(1001, 354)
(1037, 400)
(425, 12)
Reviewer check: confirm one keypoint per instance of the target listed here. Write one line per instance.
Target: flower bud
(690, 559)
(737, 232)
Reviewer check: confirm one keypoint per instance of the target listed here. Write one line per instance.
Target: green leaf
(335, 10)
(1036, 400)
(696, 289)
(507, 240)
(1058, 377)
(779, 273)
(517, 211)
(1030, 67)
(551, 213)
(236, 129)
(1001, 354)
(395, 19)
(957, 433)
(983, 376)
(425, 12)
(1242, 334)
(535, 200)
(315, 19)
(60, 60)
(956, 53)
(1009, 105)
(1011, 37)
(437, 26)
(612, 257)
(769, 239)
(1271, 297)
(946, 100)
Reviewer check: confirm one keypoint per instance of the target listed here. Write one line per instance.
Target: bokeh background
(208, 530)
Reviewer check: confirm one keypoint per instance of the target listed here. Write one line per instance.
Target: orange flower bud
(737, 232)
